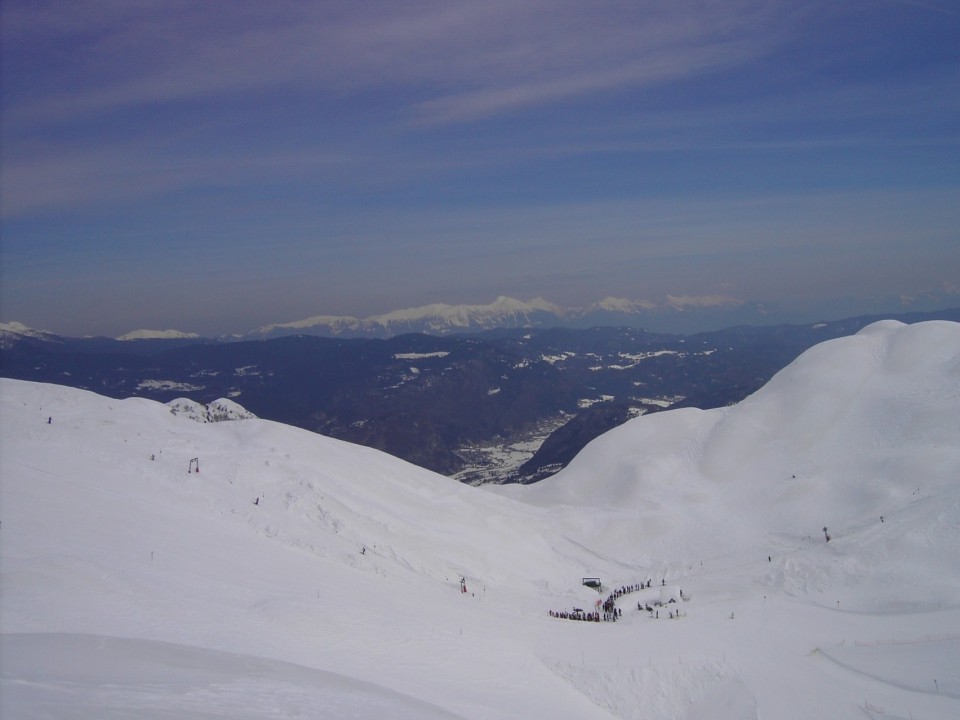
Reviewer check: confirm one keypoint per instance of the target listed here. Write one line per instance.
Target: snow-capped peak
(686, 302)
(17, 328)
(437, 318)
(622, 305)
(467, 315)
(331, 321)
(157, 335)
(217, 411)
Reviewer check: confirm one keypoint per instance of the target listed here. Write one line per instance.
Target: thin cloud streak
(181, 54)
(480, 104)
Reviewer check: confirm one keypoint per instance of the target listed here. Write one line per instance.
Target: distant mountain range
(503, 313)
(674, 314)
(436, 319)
(504, 405)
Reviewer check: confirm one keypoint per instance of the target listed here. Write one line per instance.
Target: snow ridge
(157, 335)
(504, 312)
(438, 318)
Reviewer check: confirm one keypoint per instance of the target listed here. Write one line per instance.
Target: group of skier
(608, 610)
(576, 614)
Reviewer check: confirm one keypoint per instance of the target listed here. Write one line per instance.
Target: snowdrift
(298, 575)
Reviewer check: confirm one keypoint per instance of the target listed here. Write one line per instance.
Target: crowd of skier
(576, 614)
(606, 611)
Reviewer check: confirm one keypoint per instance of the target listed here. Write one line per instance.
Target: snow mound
(217, 411)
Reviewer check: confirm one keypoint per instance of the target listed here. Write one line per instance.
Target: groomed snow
(299, 576)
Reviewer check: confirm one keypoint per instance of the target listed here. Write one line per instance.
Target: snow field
(296, 575)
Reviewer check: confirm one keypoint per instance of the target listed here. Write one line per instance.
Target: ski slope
(299, 576)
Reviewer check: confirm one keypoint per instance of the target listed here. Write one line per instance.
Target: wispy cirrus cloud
(511, 94)
(459, 60)
(106, 101)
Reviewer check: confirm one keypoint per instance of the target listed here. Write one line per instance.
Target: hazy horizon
(679, 319)
(217, 167)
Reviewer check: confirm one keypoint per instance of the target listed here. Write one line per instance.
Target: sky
(213, 167)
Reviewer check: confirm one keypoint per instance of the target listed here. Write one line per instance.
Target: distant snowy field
(299, 576)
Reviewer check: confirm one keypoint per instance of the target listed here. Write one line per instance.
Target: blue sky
(213, 167)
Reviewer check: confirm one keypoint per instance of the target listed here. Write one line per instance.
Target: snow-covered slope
(295, 575)
(854, 429)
